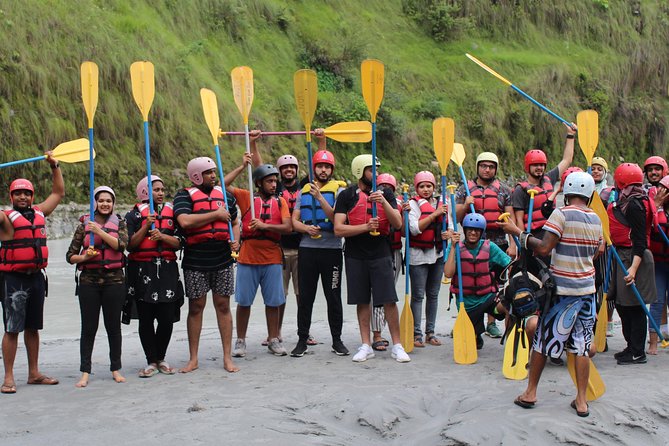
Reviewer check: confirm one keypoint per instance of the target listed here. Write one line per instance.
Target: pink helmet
(534, 156)
(386, 178)
(287, 160)
(198, 165)
(142, 189)
(656, 160)
(423, 176)
(665, 181)
(323, 157)
(21, 184)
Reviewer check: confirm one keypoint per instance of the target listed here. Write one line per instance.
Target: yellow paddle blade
(600, 327)
(458, 156)
(372, 74)
(143, 86)
(464, 338)
(516, 342)
(443, 137)
(406, 326)
(242, 90)
(596, 386)
(599, 208)
(210, 109)
(89, 90)
(488, 69)
(305, 85)
(355, 131)
(73, 151)
(588, 132)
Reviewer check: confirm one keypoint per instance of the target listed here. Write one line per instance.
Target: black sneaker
(300, 349)
(479, 342)
(632, 359)
(620, 354)
(339, 348)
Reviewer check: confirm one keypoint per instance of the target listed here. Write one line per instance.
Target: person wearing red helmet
(654, 169)
(630, 222)
(537, 178)
(24, 256)
(101, 284)
(660, 250)
(320, 254)
(202, 214)
(153, 254)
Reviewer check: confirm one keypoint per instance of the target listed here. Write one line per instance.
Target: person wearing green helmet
(490, 198)
(369, 265)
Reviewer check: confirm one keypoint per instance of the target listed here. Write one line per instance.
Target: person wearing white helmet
(205, 214)
(260, 261)
(574, 233)
(154, 242)
(369, 265)
(490, 198)
(101, 284)
(24, 256)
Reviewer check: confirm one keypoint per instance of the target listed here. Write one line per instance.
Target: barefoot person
(153, 273)
(203, 215)
(101, 283)
(369, 264)
(574, 232)
(24, 256)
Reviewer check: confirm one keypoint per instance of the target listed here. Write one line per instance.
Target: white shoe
(399, 355)
(240, 348)
(276, 347)
(365, 352)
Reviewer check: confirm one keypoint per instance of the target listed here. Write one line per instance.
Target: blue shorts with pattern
(568, 325)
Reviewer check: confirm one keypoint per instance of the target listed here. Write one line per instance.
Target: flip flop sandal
(418, 342)
(149, 371)
(524, 404)
(433, 340)
(379, 346)
(8, 389)
(579, 413)
(311, 341)
(165, 368)
(43, 380)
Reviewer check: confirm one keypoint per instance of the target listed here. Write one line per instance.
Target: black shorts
(367, 279)
(23, 302)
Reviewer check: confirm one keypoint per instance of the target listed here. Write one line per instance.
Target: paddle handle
(147, 155)
(91, 183)
(407, 250)
(464, 182)
(225, 194)
(530, 210)
(249, 170)
(505, 217)
(638, 296)
(541, 106)
(458, 265)
(23, 161)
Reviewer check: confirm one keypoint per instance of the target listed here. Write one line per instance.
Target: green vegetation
(608, 55)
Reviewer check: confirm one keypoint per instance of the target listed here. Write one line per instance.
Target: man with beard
(654, 169)
(24, 256)
(490, 198)
(320, 250)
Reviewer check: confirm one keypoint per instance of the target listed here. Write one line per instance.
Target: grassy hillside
(608, 55)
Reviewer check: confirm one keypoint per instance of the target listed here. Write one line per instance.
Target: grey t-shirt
(327, 240)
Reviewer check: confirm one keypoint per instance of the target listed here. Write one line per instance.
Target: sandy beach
(317, 399)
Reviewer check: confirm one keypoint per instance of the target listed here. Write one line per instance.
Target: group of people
(302, 230)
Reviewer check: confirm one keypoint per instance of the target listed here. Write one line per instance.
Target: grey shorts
(199, 283)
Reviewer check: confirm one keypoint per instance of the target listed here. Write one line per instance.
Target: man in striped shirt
(573, 234)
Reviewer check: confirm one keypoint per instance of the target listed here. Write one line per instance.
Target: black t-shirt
(213, 255)
(364, 246)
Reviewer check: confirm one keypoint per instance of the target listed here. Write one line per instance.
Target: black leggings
(110, 298)
(155, 339)
(635, 326)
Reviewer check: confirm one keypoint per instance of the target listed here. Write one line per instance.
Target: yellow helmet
(487, 156)
(601, 162)
(360, 163)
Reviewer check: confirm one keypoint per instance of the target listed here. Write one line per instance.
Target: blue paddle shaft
(541, 106)
(530, 211)
(607, 273)
(225, 194)
(147, 154)
(407, 251)
(91, 183)
(23, 161)
(464, 182)
(664, 236)
(444, 220)
(311, 180)
(373, 166)
(457, 251)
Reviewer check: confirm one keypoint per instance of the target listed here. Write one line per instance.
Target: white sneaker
(365, 352)
(399, 354)
(609, 329)
(276, 347)
(240, 348)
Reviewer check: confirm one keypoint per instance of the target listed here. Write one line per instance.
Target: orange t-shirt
(255, 251)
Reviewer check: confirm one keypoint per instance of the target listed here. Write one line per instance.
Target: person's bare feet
(118, 377)
(652, 344)
(83, 382)
(190, 367)
(230, 366)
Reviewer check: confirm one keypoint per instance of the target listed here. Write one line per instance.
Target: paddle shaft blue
(23, 161)
(147, 154)
(373, 166)
(91, 183)
(407, 250)
(530, 211)
(541, 106)
(664, 236)
(311, 180)
(607, 274)
(444, 220)
(457, 252)
(225, 194)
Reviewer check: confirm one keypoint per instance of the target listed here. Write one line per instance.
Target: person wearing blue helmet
(478, 258)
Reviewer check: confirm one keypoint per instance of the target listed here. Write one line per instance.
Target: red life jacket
(657, 243)
(487, 201)
(476, 275)
(106, 258)
(150, 249)
(27, 251)
(268, 211)
(202, 204)
(619, 226)
(362, 212)
(396, 234)
(545, 188)
(291, 198)
(431, 236)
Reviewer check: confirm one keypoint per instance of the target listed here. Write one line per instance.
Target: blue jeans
(425, 280)
(662, 285)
